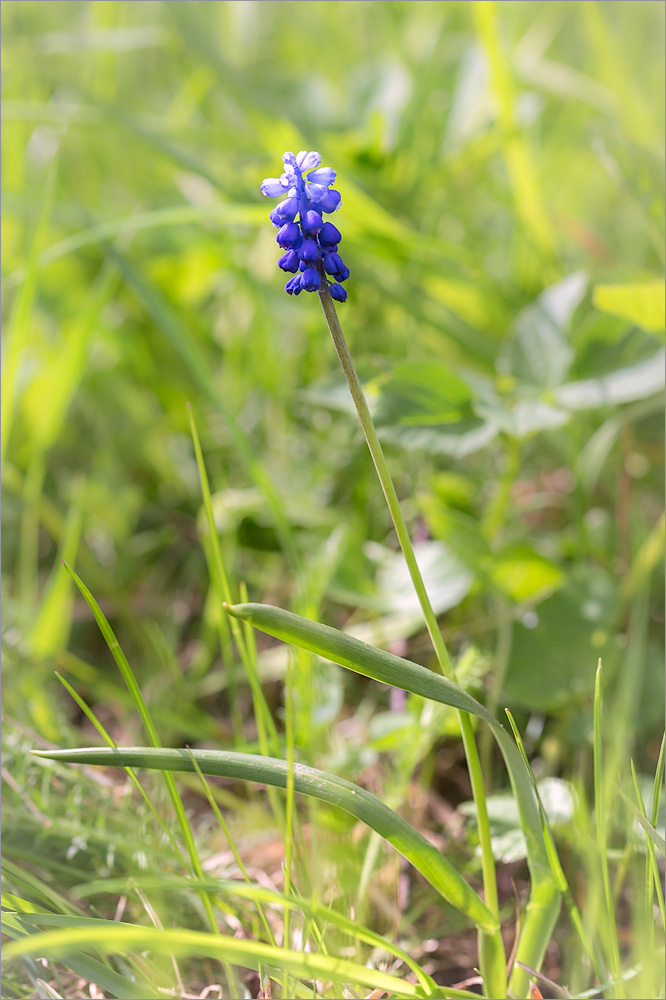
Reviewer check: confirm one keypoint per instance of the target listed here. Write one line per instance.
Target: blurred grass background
(497, 163)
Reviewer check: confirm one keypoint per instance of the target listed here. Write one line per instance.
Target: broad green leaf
(553, 643)
(456, 439)
(445, 576)
(641, 304)
(522, 574)
(539, 352)
(516, 570)
(624, 386)
(268, 770)
(460, 532)
(425, 405)
(421, 394)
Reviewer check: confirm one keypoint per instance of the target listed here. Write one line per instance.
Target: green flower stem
(491, 949)
(384, 476)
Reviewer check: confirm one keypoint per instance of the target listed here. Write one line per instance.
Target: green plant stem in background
(492, 957)
(602, 846)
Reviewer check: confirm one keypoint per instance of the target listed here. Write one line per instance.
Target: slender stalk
(600, 816)
(491, 949)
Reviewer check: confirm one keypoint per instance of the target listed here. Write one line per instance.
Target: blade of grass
(18, 327)
(555, 864)
(91, 969)
(51, 628)
(88, 712)
(224, 826)
(267, 733)
(151, 732)
(261, 894)
(519, 164)
(118, 939)
(332, 644)
(638, 812)
(612, 943)
(652, 838)
(355, 800)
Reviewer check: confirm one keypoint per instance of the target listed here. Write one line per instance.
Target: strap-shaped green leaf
(309, 781)
(545, 898)
(349, 652)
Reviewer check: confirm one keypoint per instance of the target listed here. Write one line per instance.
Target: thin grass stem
(602, 846)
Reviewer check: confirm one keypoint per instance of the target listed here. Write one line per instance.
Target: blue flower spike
(310, 243)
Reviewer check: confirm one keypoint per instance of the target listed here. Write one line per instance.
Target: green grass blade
(50, 631)
(262, 895)
(658, 783)
(652, 838)
(88, 712)
(144, 714)
(18, 327)
(184, 943)
(555, 864)
(612, 943)
(224, 826)
(650, 832)
(308, 781)
(89, 968)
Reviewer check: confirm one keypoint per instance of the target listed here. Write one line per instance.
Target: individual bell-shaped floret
(289, 261)
(337, 292)
(286, 211)
(294, 285)
(329, 235)
(310, 279)
(289, 237)
(324, 175)
(312, 222)
(309, 251)
(333, 263)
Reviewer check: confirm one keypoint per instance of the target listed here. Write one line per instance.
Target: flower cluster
(310, 244)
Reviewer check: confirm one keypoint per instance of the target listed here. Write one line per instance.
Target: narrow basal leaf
(545, 899)
(268, 770)
(349, 652)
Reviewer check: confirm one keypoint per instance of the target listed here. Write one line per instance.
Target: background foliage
(501, 171)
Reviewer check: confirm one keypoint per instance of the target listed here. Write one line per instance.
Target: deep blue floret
(311, 244)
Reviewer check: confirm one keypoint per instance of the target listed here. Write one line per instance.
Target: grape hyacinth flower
(310, 245)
